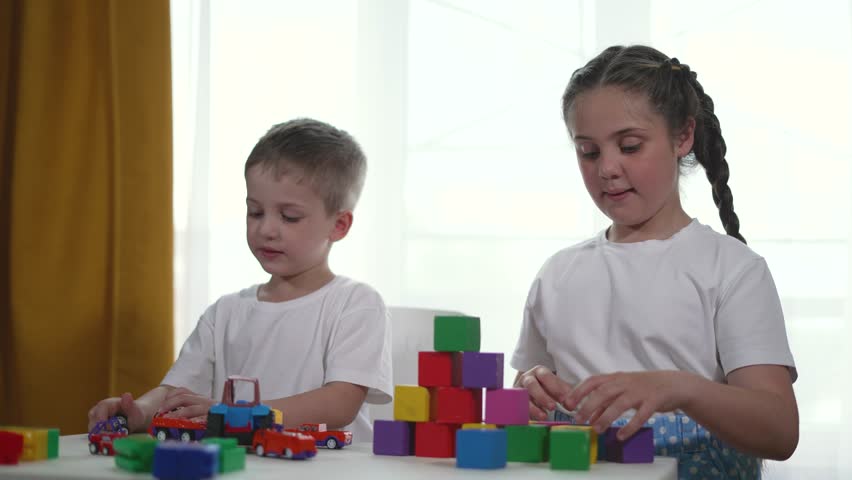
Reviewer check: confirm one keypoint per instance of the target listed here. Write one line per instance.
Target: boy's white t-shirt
(340, 332)
(698, 301)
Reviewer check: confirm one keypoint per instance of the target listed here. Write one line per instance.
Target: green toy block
(135, 453)
(569, 449)
(456, 334)
(131, 464)
(527, 443)
(224, 443)
(52, 442)
(232, 457)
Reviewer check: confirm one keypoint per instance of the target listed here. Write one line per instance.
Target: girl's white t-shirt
(340, 332)
(698, 301)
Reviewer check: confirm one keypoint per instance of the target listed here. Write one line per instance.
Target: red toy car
(283, 443)
(102, 442)
(324, 437)
(183, 429)
(104, 432)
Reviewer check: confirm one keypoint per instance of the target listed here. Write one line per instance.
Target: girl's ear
(686, 138)
(342, 224)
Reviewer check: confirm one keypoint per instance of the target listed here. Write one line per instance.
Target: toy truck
(238, 418)
(183, 429)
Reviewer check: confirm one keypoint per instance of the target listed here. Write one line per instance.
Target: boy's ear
(342, 224)
(686, 138)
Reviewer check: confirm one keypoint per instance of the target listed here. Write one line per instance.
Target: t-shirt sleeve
(193, 368)
(750, 323)
(531, 349)
(359, 349)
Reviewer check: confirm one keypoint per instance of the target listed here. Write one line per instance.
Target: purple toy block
(508, 406)
(637, 449)
(393, 437)
(480, 370)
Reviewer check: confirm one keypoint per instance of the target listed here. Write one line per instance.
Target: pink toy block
(507, 406)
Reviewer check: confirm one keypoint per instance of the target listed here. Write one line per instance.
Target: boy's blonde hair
(328, 159)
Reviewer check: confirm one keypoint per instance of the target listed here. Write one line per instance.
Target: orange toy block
(478, 426)
(35, 442)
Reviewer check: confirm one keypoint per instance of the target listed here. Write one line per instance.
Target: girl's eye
(588, 151)
(630, 148)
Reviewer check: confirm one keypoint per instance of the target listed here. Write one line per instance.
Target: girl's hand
(545, 390)
(185, 403)
(601, 399)
(125, 405)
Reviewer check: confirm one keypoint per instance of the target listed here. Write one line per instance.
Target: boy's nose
(268, 228)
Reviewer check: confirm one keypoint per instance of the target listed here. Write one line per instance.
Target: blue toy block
(484, 449)
(185, 461)
(165, 464)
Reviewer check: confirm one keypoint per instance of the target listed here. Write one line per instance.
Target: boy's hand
(601, 399)
(545, 390)
(113, 406)
(186, 404)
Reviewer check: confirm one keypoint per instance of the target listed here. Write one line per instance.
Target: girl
(659, 313)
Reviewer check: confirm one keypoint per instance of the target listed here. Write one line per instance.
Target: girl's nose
(608, 167)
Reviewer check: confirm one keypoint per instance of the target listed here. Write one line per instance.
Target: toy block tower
(449, 393)
(442, 416)
(429, 417)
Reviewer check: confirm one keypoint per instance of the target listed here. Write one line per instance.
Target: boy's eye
(254, 214)
(290, 219)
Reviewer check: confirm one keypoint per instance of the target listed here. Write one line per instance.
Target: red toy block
(435, 440)
(435, 369)
(11, 447)
(455, 405)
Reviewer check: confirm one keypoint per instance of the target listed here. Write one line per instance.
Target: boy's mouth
(269, 253)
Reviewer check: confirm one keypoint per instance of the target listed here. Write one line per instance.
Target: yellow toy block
(35, 442)
(478, 426)
(410, 403)
(277, 416)
(593, 439)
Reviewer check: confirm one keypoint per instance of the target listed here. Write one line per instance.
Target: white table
(354, 461)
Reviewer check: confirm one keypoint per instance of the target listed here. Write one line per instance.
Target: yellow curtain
(85, 205)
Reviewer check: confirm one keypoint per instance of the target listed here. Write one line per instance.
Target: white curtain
(472, 182)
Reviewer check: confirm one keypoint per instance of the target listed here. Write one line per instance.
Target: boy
(318, 343)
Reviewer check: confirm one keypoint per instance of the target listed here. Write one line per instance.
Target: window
(472, 180)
